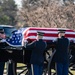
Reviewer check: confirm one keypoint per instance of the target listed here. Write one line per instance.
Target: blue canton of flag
(16, 39)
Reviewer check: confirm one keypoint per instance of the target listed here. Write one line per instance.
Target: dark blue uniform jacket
(62, 50)
(38, 48)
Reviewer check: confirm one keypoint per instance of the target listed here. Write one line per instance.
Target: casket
(50, 33)
(29, 34)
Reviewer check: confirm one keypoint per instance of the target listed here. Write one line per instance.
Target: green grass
(20, 64)
(73, 72)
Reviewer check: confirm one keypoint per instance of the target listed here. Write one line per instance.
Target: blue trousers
(36, 70)
(2, 67)
(62, 68)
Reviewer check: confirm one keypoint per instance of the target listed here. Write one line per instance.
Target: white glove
(25, 43)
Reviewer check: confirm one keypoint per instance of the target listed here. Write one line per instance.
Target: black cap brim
(61, 31)
(40, 33)
(1, 30)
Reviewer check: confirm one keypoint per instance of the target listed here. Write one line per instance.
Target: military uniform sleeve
(31, 45)
(72, 44)
(45, 44)
(51, 44)
(69, 43)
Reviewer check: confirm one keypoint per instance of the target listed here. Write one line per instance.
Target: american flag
(16, 38)
(19, 37)
(50, 33)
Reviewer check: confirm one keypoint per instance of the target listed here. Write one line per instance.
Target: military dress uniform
(62, 56)
(37, 57)
(2, 63)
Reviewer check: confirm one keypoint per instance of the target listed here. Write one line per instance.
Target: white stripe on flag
(47, 38)
(48, 32)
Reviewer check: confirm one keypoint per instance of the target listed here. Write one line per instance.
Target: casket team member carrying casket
(61, 57)
(2, 37)
(37, 57)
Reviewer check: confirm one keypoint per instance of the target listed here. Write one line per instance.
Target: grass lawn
(73, 72)
(19, 65)
(23, 65)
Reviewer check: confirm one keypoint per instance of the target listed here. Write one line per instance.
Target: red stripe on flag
(49, 29)
(50, 35)
(28, 33)
(70, 35)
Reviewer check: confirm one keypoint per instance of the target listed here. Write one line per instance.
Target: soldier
(61, 56)
(2, 38)
(37, 57)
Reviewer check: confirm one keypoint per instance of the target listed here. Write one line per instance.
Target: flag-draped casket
(29, 34)
(22, 35)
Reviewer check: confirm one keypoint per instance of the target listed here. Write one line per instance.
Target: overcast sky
(18, 2)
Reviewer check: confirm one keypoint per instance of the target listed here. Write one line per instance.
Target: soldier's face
(39, 37)
(61, 34)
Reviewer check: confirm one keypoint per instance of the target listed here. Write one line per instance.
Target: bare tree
(49, 15)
